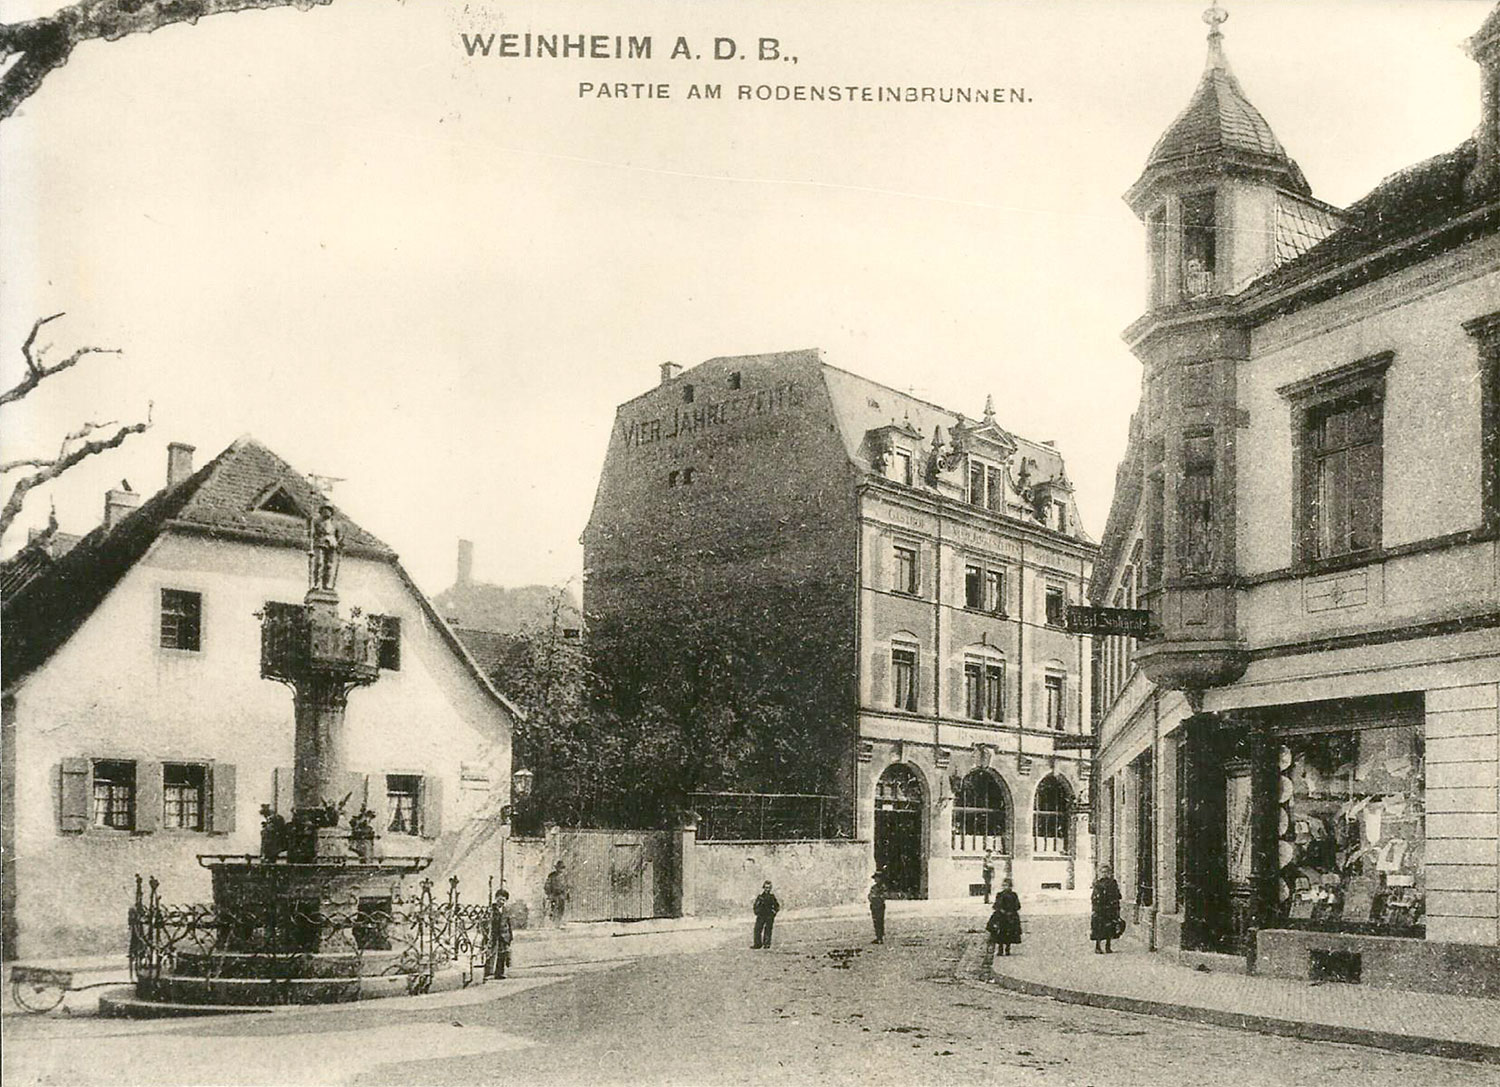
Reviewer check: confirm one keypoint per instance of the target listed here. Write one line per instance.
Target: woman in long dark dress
(1104, 916)
(1004, 925)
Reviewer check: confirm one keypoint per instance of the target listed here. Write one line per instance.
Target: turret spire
(1215, 17)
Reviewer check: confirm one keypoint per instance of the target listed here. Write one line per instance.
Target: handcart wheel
(38, 997)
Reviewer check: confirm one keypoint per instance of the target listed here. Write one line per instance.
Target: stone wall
(726, 876)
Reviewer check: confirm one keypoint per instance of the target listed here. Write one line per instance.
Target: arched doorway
(898, 830)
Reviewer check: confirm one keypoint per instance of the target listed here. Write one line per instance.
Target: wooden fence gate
(616, 875)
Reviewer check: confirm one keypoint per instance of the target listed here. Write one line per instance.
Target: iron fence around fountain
(416, 937)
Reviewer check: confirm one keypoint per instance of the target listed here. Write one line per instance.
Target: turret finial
(1215, 17)
(989, 408)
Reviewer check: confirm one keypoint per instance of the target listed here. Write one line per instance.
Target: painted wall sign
(689, 419)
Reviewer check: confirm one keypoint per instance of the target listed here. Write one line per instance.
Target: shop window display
(1350, 830)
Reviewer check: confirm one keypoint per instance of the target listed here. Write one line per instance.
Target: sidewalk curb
(1478, 1052)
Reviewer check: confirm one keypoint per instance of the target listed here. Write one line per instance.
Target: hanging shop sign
(1131, 622)
(1070, 741)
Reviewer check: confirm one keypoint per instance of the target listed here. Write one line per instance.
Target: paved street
(823, 1006)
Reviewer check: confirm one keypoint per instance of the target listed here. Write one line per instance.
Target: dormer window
(734, 380)
(687, 394)
(986, 485)
(1199, 244)
(279, 501)
(899, 466)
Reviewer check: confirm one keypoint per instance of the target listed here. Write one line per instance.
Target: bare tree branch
(37, 370)
(45, 43)
(88, 449)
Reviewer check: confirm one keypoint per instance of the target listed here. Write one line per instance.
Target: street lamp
(520, 783)
(520, 789)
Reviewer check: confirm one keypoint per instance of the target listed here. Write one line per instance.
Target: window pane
(995, 496)
(182, 797)
(904, 676)
(114, 795)
(973, 587)
(1364, 497)
(401, 794)
(1353, 826)
(1057, 607)
(994, 692)
(973, 702)
(1333, 504)
(906, 570)
(976, 484)
(181, 619)
(994, 590)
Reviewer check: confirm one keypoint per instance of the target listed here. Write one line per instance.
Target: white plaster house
(139, 734)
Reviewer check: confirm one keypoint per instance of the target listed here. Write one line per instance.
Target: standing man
(765, 907)
(501, 934)
(556, 890)
(988, 872)
(877, 905)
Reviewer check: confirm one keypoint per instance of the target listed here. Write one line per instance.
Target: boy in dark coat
(501, 934)
(877, 906)
(1004, 925)
(765, 907)
(1104, 915)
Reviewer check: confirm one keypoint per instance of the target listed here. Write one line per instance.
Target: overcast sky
(435, 276)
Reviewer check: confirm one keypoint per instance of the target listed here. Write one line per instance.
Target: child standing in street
(766, 908)
(1004, 925)
(877, 906)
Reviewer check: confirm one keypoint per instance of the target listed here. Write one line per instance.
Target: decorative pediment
(985, 438)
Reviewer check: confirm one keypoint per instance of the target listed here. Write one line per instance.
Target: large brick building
(1299, 766)
(861, 593)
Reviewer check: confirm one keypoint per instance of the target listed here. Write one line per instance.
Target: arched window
(1049, 816)
(981, 814)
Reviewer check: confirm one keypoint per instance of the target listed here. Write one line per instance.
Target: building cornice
(956, 510)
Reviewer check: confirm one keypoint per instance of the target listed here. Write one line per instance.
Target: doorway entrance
(898, 830)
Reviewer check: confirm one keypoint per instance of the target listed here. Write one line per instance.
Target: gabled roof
(220, 500)
(1429, 198)
(239, 480)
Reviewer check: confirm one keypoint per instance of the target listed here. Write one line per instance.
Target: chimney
(465, 563)
(118, 504)
(669, 370)
(179, 462)
(1484, 47)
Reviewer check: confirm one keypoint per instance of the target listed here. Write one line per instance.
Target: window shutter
(356, 785)
(147, 795)
(74, 809)
(282, 788)
(432, 806)
(221, 815)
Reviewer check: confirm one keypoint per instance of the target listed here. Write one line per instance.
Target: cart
(40, 989)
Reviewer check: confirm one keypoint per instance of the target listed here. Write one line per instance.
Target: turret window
(1199, 248)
